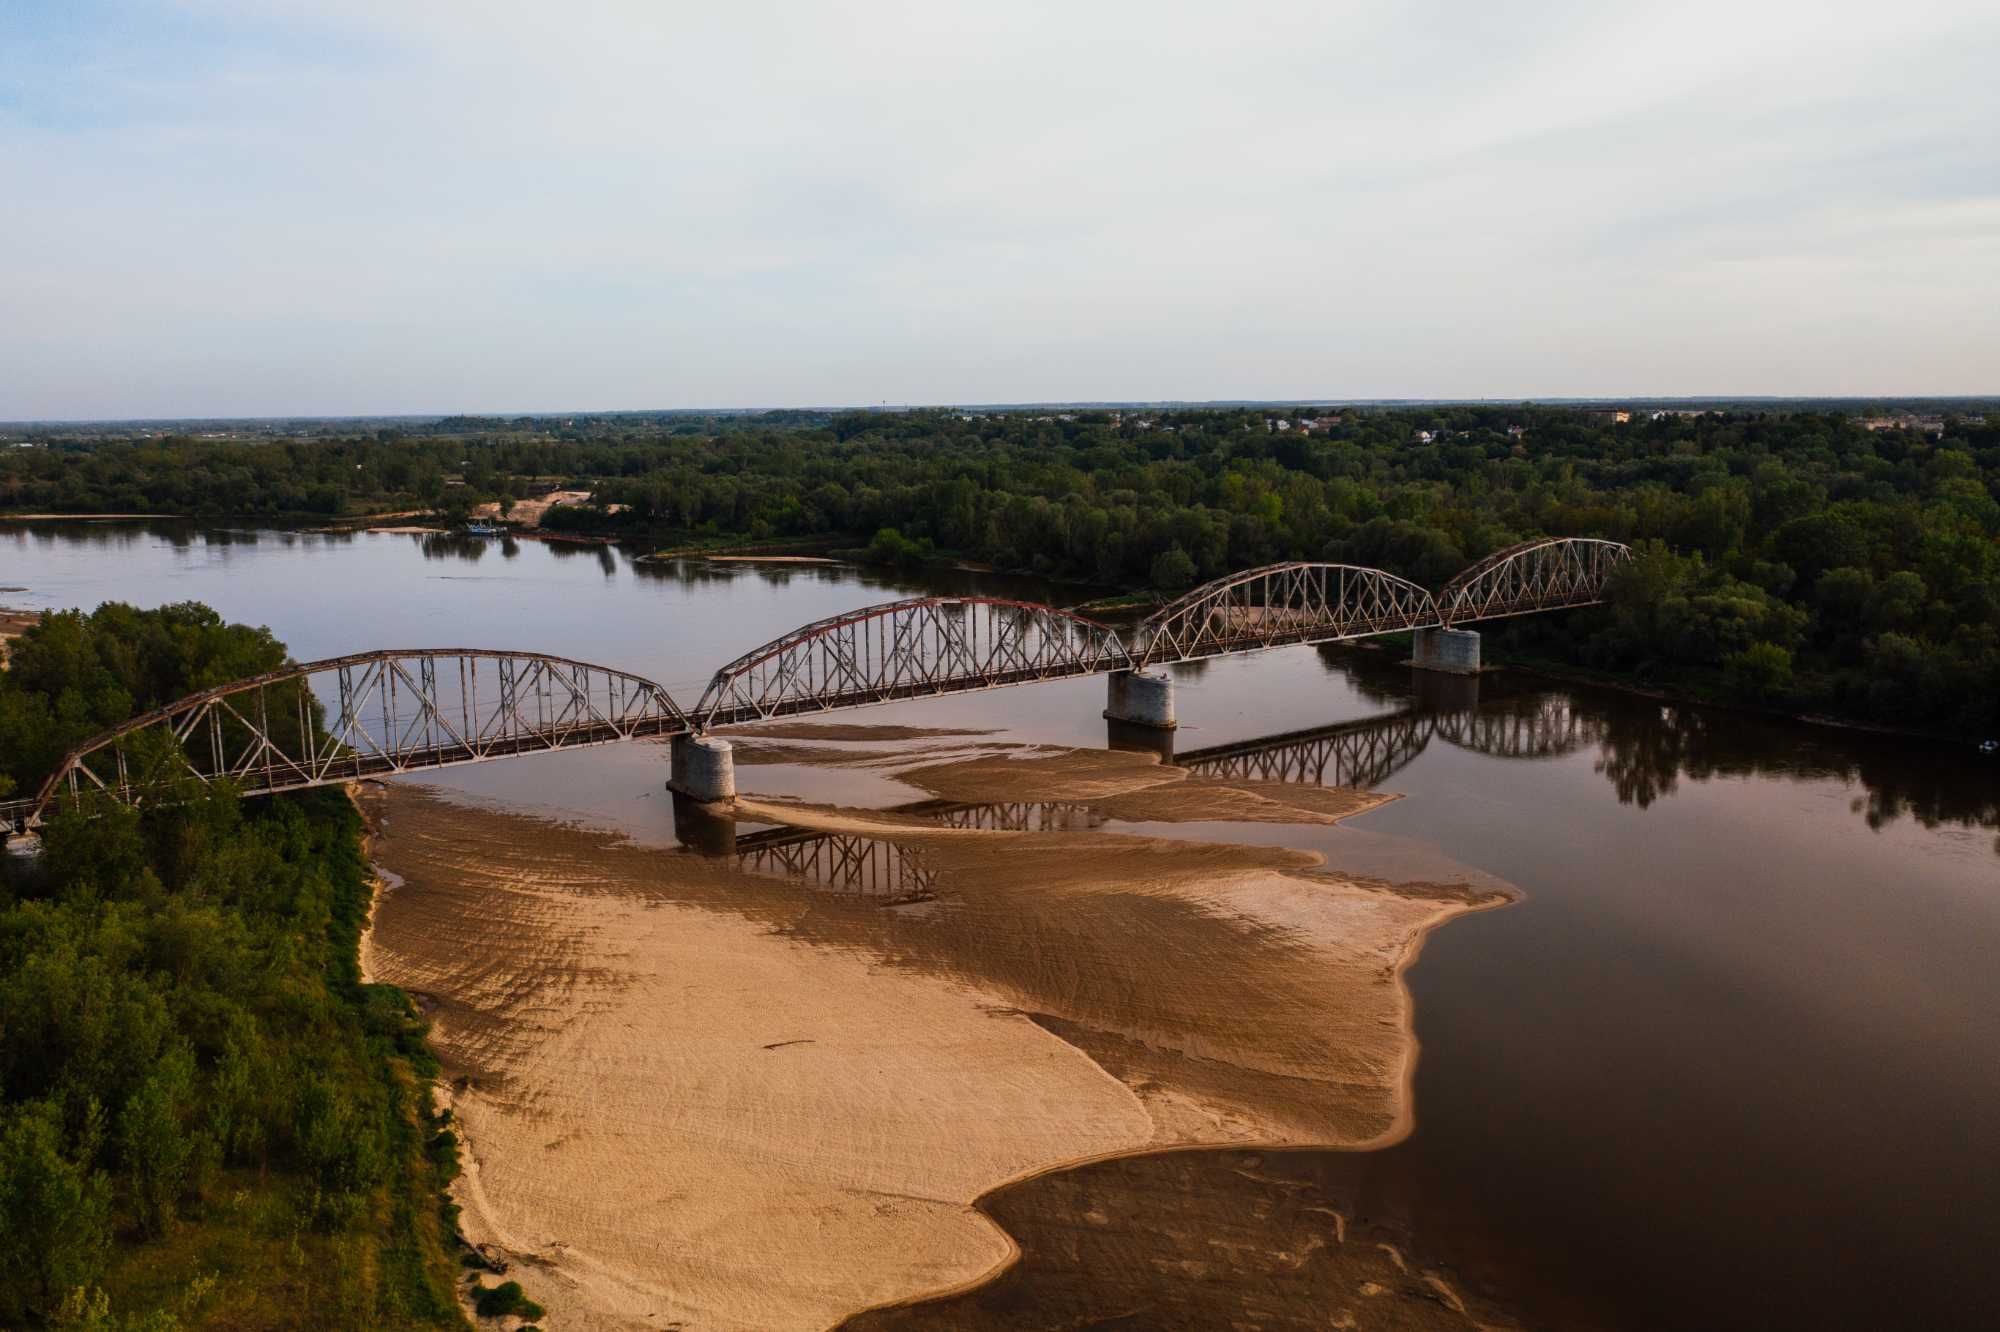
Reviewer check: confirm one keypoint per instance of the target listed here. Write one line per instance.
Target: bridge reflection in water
(1367, 752)
(1363, 753)
(855, 865)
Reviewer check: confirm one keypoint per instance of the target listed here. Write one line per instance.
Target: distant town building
(1929, 425)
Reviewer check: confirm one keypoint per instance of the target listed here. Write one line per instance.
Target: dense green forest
(1792, 559)
(206, 1118)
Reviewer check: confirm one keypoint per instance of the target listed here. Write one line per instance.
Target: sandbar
(696, 1094)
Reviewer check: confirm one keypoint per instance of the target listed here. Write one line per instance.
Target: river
(1729, 1060)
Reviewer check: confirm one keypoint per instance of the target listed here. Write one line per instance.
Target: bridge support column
(704, 769)
(1139, 699)
(1453, 650)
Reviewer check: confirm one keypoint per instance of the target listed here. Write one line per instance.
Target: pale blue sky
(227, 207)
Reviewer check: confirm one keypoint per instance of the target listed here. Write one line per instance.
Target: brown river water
(1723, 1058)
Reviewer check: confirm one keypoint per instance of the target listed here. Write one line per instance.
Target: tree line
(1790, 558)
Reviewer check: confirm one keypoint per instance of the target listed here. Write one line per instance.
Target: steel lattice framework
(366, 715)
(908, 649)
(1279, 604)
(1533, 576)
(401, 711)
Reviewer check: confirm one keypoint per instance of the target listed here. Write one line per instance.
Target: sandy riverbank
(698, 1095)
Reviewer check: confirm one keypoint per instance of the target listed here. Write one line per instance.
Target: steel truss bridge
(380, 713)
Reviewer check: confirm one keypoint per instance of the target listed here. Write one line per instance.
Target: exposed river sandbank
(696, 1095)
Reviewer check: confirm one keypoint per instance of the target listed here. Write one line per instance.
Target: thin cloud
(235, 207)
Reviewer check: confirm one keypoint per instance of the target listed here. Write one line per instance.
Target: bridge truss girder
(1299, 602)
(917, 648)
(370, 714)
(1546, 574)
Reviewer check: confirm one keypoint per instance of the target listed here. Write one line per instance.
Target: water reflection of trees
(1646, 748)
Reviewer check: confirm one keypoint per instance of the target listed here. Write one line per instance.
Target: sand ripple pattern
(702, 1097)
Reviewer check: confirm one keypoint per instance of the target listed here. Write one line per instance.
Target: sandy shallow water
(701, 1097)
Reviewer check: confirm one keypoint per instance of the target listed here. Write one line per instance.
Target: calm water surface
(1731, 1062)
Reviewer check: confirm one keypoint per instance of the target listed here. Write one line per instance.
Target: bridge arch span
(916, 648)
(1544, 574)
(1298, 602)
(368, 714)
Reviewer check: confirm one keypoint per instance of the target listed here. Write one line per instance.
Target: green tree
(1761, 672)
(154, 1142)
(55, 1226)
(1172, 570)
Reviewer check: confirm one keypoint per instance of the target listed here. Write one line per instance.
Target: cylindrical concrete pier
(1453, 650)
(704, 769)
(1139, 699)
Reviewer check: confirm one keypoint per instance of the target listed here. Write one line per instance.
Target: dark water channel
(1731, 1062)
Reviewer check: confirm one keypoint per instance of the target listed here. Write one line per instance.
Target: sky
(245, 207)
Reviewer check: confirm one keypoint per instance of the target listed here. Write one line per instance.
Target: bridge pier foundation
(704, 769)
(1452, 650)
(1139, 699)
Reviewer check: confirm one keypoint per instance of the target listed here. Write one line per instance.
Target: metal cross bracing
(401, 711)
(370, 714)
(908, 649)
(1532, 576)
(1279, 604)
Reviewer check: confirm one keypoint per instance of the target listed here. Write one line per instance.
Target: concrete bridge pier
(1139, 699)
(1452, 650)
(704, 769)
